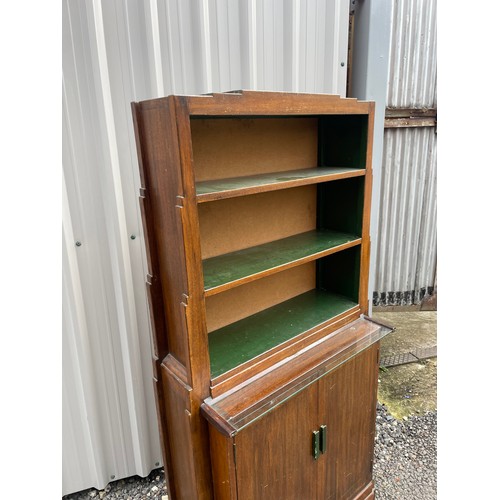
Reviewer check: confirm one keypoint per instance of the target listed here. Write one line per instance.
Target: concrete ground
(408, 389)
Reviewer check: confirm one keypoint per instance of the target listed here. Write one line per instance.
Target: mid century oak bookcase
(256, 209)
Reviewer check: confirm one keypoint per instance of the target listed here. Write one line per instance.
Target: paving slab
(414, 329)
(410, 388)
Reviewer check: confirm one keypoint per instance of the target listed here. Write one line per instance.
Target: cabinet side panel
(274, 458)
(188, 437)
(348, 405)
(163, 190)
(223, 466)
(154, 288)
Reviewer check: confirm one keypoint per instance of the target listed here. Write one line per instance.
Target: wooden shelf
(241, 341)
(235, 268)
(239, 186)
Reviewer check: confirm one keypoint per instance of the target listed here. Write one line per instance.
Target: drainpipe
(368, 75)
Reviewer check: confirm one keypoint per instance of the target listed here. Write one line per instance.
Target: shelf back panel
(229, 147)
(243, 301)
(237, 223)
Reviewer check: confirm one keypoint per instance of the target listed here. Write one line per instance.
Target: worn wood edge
(364, 265)
(176, 368)
(283, 267)
(358, 106)
(238, 375)
(221, 424)
(275, 186)
(250, 103)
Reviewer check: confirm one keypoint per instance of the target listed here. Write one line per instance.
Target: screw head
(157, 464)
(342, 64)
(78, 243)
(113, 476)
(132, 237)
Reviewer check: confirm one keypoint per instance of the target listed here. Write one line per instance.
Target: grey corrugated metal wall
(406, 264)
(115, 52)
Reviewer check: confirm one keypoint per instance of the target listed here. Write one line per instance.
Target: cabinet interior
(277, 262)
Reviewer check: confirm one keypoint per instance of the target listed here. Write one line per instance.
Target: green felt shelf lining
(243, 340)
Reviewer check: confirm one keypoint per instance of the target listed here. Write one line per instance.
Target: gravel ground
(404, 466)
(151, 487)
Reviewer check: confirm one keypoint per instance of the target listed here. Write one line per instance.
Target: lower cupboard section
(316, 445)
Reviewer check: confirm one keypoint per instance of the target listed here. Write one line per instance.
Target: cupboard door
(274, 456)
(347, 400)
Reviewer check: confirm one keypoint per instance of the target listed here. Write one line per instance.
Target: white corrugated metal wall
(115, 52)
(407, 251)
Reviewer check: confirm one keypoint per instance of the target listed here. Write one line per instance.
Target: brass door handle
(322, 438)
(319, 442)
(315, 444)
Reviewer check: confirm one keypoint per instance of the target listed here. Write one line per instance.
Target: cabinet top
(250, 102)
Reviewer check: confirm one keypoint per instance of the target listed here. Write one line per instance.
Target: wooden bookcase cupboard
(256, 209)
